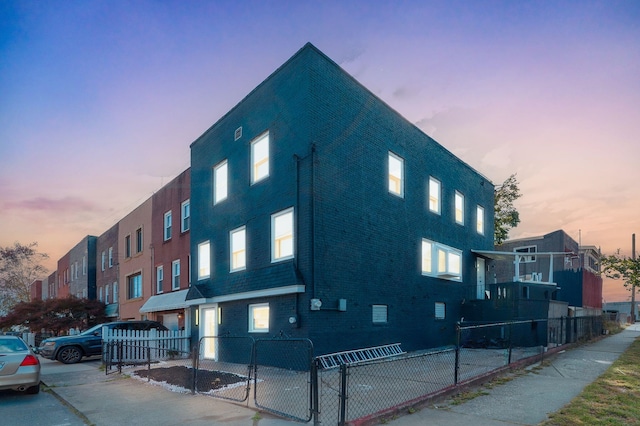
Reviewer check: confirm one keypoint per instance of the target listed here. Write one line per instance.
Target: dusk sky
(100, 100)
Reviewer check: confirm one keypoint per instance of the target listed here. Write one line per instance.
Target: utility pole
(633, 283)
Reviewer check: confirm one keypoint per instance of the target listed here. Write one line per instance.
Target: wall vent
(238, 133)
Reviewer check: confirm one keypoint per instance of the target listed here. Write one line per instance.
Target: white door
(209, 329)
(480, 277)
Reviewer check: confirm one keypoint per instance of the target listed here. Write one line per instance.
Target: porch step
(359, 355)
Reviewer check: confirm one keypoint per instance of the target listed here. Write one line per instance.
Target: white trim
(269, 292)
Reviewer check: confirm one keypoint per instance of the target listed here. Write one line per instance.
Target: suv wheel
(69, 355)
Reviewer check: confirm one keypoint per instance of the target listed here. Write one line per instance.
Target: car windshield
(92, 330)
(11, 345)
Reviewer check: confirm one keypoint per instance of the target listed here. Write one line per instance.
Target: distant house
(171, 224)
(551, 267)
(320, 212)
(76, 271)
(108, 263)
(134, 266)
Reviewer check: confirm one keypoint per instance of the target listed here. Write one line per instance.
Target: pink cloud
(50, 204)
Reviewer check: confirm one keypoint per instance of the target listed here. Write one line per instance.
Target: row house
(107, 268)
(319, 212)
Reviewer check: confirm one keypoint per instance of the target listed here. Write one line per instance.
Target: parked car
(19, 367)
(71, 349)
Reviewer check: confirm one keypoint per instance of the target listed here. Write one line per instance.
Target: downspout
(313, 222)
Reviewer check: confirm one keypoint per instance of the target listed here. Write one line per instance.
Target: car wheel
(69, 355)
(33, 390)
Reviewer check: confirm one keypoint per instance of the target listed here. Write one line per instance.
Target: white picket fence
(134, 346)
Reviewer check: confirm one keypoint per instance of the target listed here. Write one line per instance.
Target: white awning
(167, 302)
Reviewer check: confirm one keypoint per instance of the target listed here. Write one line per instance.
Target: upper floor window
(204, 260)
(259, 318)
(434, 195)
(260, 158)
(459, 208)
(185, 223)
(441, 261)
(167, 225)
(238, 249)
(139, 240)
(220, 182)
(480, 220)
(104, 258)
(175, 275)
(396, 175)
(84, 265)
(127, 246)
(115, 292)
(159, 279)
(282, 235)
(110, 257)
(106, 294)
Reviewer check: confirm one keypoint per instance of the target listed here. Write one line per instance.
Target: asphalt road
(19, 409)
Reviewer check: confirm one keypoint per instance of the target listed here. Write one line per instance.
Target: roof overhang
(167, 302)
(511, 255)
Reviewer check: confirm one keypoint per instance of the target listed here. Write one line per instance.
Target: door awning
(166, 302)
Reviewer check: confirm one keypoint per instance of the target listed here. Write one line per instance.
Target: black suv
(71, 349)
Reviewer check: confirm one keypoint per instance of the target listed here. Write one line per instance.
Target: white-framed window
(282, 237)
(175, 275)
(440, 310)
(459, 208)
(104, 260)
(396, 174)
(220, 182)
(115, 292)
(480, 220)
(259, 318)
(204, 260)
(527, 249)
(84, 265)
(106, 294)
(379, 314)
(238, 249)
(100, 294)
(260, 158)
(110, 257)
(185, 222)
(134, 286)
(434, 195)
(167, 225)
(441, 261)
(159, 279)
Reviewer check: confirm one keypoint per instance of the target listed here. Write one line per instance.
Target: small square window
(259, 318)
(379, 314)
(440, 310)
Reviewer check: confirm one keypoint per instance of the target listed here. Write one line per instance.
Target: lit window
(159, 279)
(441, 261)
(434, 195)
(204, 260)
(238, 249)
(480, 220)
(379, 314)
(259, 318)
(175, 275)
(167, 225)
(260, 158)
(185, 223)
(134, 286)
(220, 182)
(440, 310)
(396, 172)
(459, 208)
(282, 235)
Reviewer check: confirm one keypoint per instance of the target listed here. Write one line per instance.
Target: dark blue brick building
(319, 212)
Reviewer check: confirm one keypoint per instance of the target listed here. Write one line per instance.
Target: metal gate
(283, 377)
(228, 360)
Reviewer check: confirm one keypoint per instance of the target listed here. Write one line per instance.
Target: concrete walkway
(529, 398)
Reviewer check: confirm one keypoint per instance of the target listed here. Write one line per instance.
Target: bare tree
(505, 214)
(20, 265)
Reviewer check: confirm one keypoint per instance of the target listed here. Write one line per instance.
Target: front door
(209, 317)
(480, 278)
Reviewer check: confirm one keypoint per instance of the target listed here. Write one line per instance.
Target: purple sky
(100, 100)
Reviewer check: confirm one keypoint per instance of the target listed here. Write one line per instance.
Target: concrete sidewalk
(103, 400)
(529, 398)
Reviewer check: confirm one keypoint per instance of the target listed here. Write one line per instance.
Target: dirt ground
(183, 377)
